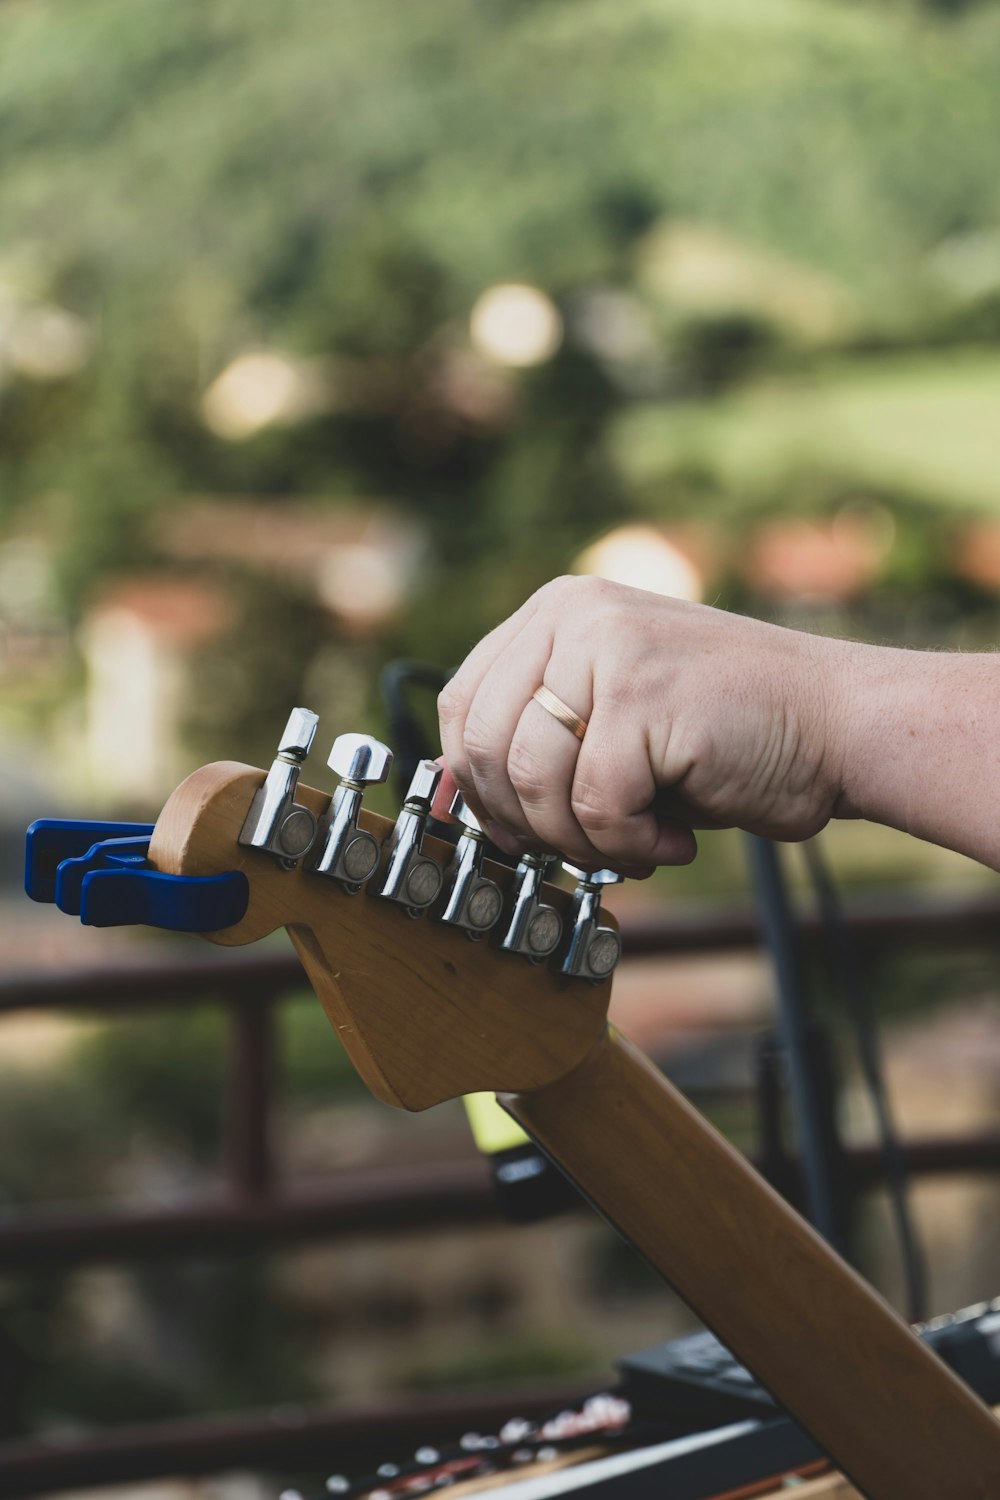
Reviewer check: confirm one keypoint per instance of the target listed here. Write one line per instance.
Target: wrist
(919, 746)
(831, 719)
(865, 685)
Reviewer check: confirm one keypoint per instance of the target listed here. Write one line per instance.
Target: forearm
(921, 745)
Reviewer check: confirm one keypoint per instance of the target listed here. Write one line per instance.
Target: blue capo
(101, 873)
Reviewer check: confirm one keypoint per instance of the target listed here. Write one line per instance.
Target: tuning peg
(276, 822)
(348, 853)
(594, 877)
(593, 950)
(411, 878)
(360, 759)
(534, 929)
(474, 902)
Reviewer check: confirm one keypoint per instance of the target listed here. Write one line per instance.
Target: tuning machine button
(411, 877)
(474, 902)
(593, 950)
(535, 928)
(276, 822)
(350, 854)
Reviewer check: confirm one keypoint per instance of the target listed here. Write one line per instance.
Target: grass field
(927, 424)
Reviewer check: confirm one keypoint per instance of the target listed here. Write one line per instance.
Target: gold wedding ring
(558, 709)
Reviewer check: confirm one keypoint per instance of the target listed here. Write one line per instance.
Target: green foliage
(344, 179)
(65, 1120)
(152, 1083)
(313, 1062)
(141, 1098)
(160, 1076)
(242, 685)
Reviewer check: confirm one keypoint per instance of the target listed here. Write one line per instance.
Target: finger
(614, 796)
(457, 695)
(446, 789)
(490, 726)
(541, 764)
(441, 810)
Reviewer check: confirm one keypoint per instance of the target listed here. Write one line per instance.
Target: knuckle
(449, 704)
(569, 590)
(527, 775)
(619, 695)
(479, 741)
(590, 810)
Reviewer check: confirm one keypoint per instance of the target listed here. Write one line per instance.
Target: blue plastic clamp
(101, 873)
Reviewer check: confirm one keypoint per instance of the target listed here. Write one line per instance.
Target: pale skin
(702, 719)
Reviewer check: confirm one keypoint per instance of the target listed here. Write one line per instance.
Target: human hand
(696, 719)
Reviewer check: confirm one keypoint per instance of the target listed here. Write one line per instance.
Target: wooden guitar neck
(889, 1413)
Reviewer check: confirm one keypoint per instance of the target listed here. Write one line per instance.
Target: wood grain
(424, 1013)
(818, 1337)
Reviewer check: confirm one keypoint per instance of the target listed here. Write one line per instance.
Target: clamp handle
(100, 872)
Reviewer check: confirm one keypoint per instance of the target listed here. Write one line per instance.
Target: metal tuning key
(276, 822)
(535, 929)
(593, 950)
(474, 902)
(411, 877)
(348, 853)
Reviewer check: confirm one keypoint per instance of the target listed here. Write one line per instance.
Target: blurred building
(358, 560)
(143, 633)
(136, 640)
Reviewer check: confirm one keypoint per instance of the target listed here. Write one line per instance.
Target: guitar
(380, 914)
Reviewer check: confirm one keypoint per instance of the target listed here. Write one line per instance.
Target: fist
(694, 719)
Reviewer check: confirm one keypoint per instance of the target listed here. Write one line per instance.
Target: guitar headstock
(424, 1014)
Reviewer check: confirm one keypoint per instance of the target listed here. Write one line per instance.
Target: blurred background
(328, 332)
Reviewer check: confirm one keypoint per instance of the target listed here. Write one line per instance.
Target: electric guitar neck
(443, 974)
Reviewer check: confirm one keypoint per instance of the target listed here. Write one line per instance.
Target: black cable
(844, 961)
(406, 732)
(793, 1027)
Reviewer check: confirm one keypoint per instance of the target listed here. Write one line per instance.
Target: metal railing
(255, 1207)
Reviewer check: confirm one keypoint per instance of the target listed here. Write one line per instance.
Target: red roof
(184, 611)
